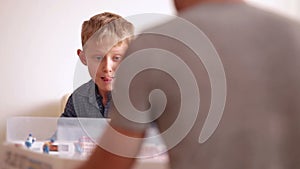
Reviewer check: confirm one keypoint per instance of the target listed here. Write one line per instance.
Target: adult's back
(260, 124)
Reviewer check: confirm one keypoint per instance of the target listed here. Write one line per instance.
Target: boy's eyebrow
(97, 54)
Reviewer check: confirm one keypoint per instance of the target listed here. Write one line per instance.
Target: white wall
(38, 46)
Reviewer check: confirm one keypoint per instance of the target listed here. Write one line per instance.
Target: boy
(105, 38)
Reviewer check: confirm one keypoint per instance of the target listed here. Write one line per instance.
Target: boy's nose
(107, 66)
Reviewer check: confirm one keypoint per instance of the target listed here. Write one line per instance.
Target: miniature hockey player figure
(47, 146)
(29, 141)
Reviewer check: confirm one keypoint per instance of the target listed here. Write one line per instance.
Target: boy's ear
(82, 57)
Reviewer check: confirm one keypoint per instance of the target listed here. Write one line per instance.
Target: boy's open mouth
(107, 79)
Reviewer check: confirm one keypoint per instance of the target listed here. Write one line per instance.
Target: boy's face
(102, 64)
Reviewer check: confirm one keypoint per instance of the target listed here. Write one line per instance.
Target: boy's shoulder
(86, 89)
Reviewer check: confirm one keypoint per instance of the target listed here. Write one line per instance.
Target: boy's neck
(104, 99)
(105, 95)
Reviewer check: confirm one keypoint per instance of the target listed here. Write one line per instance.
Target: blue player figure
(47, 146)
(29, 141)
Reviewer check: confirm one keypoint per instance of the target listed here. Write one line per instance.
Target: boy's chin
(105, 90)
(104, 86)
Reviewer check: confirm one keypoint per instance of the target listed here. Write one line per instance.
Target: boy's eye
(117, 58)
(98, 58)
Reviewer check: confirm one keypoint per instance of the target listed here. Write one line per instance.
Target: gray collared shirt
(86, 102)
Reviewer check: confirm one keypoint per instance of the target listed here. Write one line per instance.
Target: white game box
(64, 143)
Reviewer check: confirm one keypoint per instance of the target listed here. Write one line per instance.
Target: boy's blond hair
(106, 26)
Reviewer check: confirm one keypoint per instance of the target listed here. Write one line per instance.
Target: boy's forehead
(102, 47)
(98, 45)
